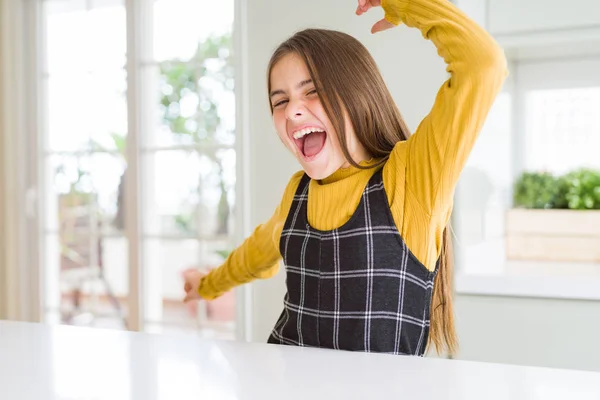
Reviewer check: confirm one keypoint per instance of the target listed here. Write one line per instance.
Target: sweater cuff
(205, 292)
(394, 9)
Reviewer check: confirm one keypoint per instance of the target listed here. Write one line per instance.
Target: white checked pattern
(355, 288)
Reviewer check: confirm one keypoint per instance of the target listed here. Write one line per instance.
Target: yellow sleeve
(433, 158)
(257, 257)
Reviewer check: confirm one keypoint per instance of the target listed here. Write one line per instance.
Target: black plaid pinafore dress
(355, 288)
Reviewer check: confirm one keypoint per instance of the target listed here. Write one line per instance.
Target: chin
(316, 174)
(318, 170)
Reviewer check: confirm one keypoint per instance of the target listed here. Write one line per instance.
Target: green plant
(539, 190)
(583, 189)
(576, 190)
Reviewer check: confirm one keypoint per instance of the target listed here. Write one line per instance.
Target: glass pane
(85, 271)
(217, 316)
(192, 73)
(171, 180)
(77, 38)
(217, 194)
(483, 194)
(85, 82)
(179, 25)
(165, 262)
(195, 102)
(84, 194)
(87, 111)
(563, 129)
(86, 280)
(199, 201)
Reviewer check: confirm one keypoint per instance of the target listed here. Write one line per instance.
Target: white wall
(541, 15)
(513, 330)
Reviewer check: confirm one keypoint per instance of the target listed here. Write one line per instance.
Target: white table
(47, 363)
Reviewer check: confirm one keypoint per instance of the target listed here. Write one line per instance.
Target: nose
(294, 110)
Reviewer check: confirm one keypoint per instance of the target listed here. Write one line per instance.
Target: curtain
(11, 226)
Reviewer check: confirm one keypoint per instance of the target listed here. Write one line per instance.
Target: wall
(520, 331)
(542, 332)
(541, 15)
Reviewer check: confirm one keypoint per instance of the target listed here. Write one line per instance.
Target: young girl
(362, 229)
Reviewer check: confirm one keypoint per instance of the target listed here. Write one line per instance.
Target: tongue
(314, 143)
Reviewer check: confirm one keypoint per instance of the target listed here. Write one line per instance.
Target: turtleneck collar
(347, 172)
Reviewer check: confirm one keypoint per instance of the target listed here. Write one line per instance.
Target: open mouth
(310, 141)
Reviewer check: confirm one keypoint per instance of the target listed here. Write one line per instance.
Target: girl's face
(302, 124)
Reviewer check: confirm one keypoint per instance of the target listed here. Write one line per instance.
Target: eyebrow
(298, 86)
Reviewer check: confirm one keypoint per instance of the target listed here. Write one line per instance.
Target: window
(545, 123)
(183, 138)
(563, 129)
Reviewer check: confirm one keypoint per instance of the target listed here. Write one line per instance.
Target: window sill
(574, 288)
(485, 271)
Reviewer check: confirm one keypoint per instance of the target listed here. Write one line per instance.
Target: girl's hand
(366, 5)
(192, 283)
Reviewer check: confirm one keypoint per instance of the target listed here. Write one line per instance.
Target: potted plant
(555, 218)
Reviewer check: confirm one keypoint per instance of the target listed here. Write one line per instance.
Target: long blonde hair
(347, 79)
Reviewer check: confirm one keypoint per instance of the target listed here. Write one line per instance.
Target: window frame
(29, 268)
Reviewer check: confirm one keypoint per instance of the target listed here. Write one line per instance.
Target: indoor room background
(136, 143)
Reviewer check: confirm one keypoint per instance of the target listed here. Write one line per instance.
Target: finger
(363, 6)
(382, 25)
(361, 10)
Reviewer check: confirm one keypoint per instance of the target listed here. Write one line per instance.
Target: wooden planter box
(553, 235)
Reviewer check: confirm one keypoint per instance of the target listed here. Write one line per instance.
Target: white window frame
(244, 317)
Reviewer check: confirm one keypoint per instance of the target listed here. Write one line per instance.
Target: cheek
(316, 109)
(279, 122)
(336, 148)
(351, 139)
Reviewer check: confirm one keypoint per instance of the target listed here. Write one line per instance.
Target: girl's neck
(347, 171)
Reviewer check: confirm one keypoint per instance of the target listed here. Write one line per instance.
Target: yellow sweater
(421, 173)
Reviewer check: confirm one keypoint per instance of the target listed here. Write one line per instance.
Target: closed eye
(277, 104)
(281, 102)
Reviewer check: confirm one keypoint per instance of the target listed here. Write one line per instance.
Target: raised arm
(257, 257)
(436, 154)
